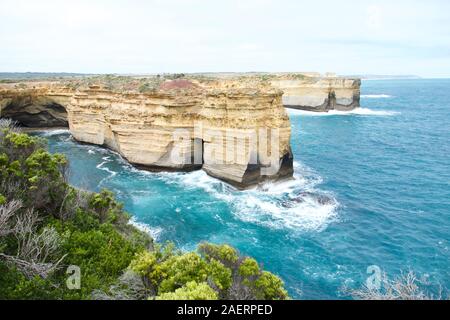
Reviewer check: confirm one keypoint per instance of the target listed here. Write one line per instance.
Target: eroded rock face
(320, 94)
(31, 109)
(236, 133)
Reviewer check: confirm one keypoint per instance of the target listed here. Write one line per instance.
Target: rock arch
(35, 111)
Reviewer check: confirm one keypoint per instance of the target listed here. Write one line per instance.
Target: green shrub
(270, 287)
(220, 275)
(15, 286)
(179, 270)
(92, 231)
(191, 291)
(167, 273)
(249, 267)
(224, 253)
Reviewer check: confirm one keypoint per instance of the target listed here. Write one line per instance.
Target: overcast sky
(153, 36)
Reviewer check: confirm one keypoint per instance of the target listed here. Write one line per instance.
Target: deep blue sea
(372, 187)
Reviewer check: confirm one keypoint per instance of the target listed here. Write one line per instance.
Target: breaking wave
(102, 166)
(155, 233)
(294, 204)
(357, 111)
(376, 96)
(370, 112)
(49, 133)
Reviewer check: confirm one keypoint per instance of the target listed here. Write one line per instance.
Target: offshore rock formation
(236, 132)
(319, 94)
(309, 91)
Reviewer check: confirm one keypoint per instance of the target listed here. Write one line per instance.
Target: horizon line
(359, 75)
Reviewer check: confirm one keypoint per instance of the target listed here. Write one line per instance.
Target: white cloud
(238, 35)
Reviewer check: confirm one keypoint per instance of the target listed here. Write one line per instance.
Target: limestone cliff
(235, 132)
(309, 91)
(320, 94)
(33, 108)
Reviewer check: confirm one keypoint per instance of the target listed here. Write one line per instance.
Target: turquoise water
(372, 188)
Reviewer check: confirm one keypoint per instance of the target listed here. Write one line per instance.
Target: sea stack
(313, 92)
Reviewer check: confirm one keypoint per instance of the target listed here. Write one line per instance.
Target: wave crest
(357, 111)
(101, 166)
(376, 96)
(50, 132)
(155, 233)
(294, 204)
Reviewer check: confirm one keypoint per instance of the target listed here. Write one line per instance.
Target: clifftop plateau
(304, 91)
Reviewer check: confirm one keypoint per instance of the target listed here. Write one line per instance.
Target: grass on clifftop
(138, 84)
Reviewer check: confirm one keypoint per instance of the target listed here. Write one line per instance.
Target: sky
(157, 36)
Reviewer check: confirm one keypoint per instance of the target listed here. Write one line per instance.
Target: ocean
(371, 188)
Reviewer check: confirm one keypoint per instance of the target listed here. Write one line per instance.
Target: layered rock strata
(236, 133)
(34, 108)
(319, 94)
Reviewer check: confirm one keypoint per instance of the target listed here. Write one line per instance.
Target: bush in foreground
(46, 226)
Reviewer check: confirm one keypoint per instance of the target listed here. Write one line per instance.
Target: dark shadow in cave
(36, 114)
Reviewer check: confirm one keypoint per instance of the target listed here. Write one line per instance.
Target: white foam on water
(49, 133)
(376, 96)
(155, 233)
(308, 215)
(357, 111)
(102, 166)
(370, 112)
(294, 204)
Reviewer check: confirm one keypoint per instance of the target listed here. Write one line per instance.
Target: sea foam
(376, 96)
(155, 233)
(101, 166)
(357, 111)
(50, 133)
(294, 204)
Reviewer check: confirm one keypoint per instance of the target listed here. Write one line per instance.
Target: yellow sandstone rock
(237, 133)
(233, 126)
(320, 94)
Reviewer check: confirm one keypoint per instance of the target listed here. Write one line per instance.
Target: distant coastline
(367, 77)
(46, 75)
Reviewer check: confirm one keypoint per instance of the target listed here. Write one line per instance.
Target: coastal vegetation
(58, 242)
(406, 286)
